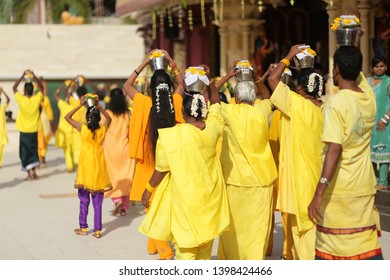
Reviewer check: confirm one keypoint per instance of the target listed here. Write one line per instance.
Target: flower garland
(162, 86)
(244, 64)
(310, 85)
(309, 51)
(193, 71)
(345, 21)
(156, 54)
(203, 13)
(194, 106)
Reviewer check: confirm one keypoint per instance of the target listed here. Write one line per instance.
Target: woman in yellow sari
(300, 150)
(161, 109)
(190, 205)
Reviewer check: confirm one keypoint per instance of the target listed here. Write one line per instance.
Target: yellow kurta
(3, 128)
(3, 131)
(116, 150)
(191, 208)
(63, 136)
(306, 124)
(249, 171)
(348, 202)
(79, 116)
(92, 173)
(64, 130)
(44, 130)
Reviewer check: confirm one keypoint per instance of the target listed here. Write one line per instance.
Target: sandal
(123, 212)
(97, 234)
(81, 231)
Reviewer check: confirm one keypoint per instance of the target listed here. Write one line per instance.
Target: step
(384, 212)
(383, 198)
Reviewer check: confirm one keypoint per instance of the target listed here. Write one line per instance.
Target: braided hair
(311, 82)
(93, 120)
(195, 105)
(162, 114)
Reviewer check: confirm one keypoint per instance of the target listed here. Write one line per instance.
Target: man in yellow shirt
(27, 122)
(249, 171)
(343, 204)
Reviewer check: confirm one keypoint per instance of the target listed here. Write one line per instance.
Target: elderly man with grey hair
(249, 171)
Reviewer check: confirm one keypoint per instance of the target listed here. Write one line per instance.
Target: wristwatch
(325, 181)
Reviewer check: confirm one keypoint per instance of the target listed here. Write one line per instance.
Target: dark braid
(93, 120)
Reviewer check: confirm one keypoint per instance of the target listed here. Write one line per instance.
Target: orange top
(140, 146)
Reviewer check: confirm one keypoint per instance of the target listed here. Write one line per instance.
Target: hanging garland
(161, 15)
(203, 13)
(261, 7)
(180, 16)
(190, 19)
(242, 9)
(215, 9)
(170, 19)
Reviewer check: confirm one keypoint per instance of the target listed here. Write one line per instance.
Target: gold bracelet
(258, 81)
(176, 72)
(149, 188)
(286, 62)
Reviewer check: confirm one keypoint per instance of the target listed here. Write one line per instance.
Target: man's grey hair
(245, 91)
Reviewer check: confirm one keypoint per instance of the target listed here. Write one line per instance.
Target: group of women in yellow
(206, 169)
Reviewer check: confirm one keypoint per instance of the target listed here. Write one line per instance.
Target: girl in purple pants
(92, 176)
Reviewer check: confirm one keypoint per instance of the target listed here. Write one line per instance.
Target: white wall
(57, 52)
(61, 51)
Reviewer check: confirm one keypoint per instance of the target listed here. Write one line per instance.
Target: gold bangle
(176, 72)
(258, 81)
(149, 188)
(286, 62)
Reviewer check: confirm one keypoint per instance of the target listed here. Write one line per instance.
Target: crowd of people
(209, 165)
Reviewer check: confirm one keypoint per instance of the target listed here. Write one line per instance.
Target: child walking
(92, 176)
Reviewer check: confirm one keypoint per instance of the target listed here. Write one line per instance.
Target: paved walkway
(38, 218)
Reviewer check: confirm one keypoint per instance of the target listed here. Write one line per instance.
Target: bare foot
(29, 177)
(34, 175)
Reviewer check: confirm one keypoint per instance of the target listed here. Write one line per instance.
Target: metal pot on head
(157, 63)
(348, 36)
(90, 102)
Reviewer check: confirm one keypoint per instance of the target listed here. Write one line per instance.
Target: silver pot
(158, 63)
(348, 36)
(90, 102)
(27, 78)
(198, 86)
(245, 74)
(305, 62)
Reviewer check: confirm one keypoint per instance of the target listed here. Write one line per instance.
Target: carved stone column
(364, 10)
(223, 48)
(244, 30)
